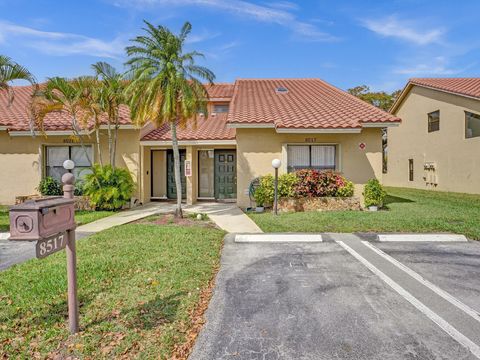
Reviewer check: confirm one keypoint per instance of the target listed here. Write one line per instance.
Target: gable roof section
(212, 128)
(468, 87)
(220, 92)
(307, 104)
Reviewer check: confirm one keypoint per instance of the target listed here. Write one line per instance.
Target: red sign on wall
(362, 146)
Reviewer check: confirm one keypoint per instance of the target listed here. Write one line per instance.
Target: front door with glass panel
(171, 187)
(206, 174)
(225, 174)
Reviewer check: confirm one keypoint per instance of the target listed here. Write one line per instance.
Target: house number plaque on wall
(310, 140)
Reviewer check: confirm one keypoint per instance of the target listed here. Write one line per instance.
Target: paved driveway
(344, 299)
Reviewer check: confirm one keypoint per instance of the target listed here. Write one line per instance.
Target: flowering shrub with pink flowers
(304, 183)
(314, 183)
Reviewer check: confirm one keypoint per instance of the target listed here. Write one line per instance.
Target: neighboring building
(437, 144)
(304, 122)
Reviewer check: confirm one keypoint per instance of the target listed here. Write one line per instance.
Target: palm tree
(68, 96)
(112, 96)
(11, 71)
(166, 85)
(91, 104)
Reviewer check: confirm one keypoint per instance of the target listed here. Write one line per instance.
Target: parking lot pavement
(17, 252)
(340, 299)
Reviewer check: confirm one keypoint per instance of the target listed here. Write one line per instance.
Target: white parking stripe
(421, 237)
(444, 325)
(452, 300)
(277, 238)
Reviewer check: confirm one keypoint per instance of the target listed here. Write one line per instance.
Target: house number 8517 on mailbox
(51, 245)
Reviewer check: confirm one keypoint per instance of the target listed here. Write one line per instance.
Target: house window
(472, 125)
(434, 121)
(220, 108)
(56, 155)
(319, 157)
(410, 169)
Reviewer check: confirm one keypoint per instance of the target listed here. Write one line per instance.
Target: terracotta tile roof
(461, 86)
(220, 91)
(307, 103)
(211, 128)
(16, 116)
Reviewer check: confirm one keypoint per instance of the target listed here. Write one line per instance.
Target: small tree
(62, 95)
(166, 86)
(112, 93)
(11, 71)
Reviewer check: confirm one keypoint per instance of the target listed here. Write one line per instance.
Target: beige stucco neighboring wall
(22, 159)
(256, 148)
(457, 164)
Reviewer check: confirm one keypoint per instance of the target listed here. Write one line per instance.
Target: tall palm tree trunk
(176, 165)
(99, 149)
(115, 137)
(109, 142)
(77, 133)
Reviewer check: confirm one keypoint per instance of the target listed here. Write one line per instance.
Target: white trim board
(421, 238)
(380, 124)
(188, 142)
(278, 238)
(319, 131)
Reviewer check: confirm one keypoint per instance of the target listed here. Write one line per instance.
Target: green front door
(225, 174)
(171, 188)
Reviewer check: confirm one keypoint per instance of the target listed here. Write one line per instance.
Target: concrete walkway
(227, 216)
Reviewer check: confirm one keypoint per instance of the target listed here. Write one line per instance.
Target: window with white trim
(319, 157)
(56, 155)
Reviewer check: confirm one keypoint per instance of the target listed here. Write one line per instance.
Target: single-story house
(436, 145)
(306, 123)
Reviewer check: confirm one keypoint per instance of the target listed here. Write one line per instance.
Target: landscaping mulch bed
(170, 219)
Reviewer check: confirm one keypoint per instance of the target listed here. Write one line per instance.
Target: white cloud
(391, 26)
(59, 43)
(437, 66)
(263, 13)
(205, 35)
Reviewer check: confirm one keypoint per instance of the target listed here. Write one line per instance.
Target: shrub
(314, 183)
(346, 190)
(374, 193)
(265, 192)
(50, 187)
(78, 188)
(108, 188)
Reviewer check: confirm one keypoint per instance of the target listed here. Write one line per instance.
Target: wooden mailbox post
(51, 223)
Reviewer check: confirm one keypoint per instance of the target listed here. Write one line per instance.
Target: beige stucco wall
(21, 158)
(456, 158)
(256, 148)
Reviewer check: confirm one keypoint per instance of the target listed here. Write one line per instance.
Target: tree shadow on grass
(148, 315)
(156, 312)
(390, 199)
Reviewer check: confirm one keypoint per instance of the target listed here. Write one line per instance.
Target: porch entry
(217, 174)
(171, 187)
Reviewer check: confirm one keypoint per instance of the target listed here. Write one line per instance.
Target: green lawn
(138, 286)
(409, 210)
(82, 217)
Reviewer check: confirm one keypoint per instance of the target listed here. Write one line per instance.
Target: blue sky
(348, 43)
